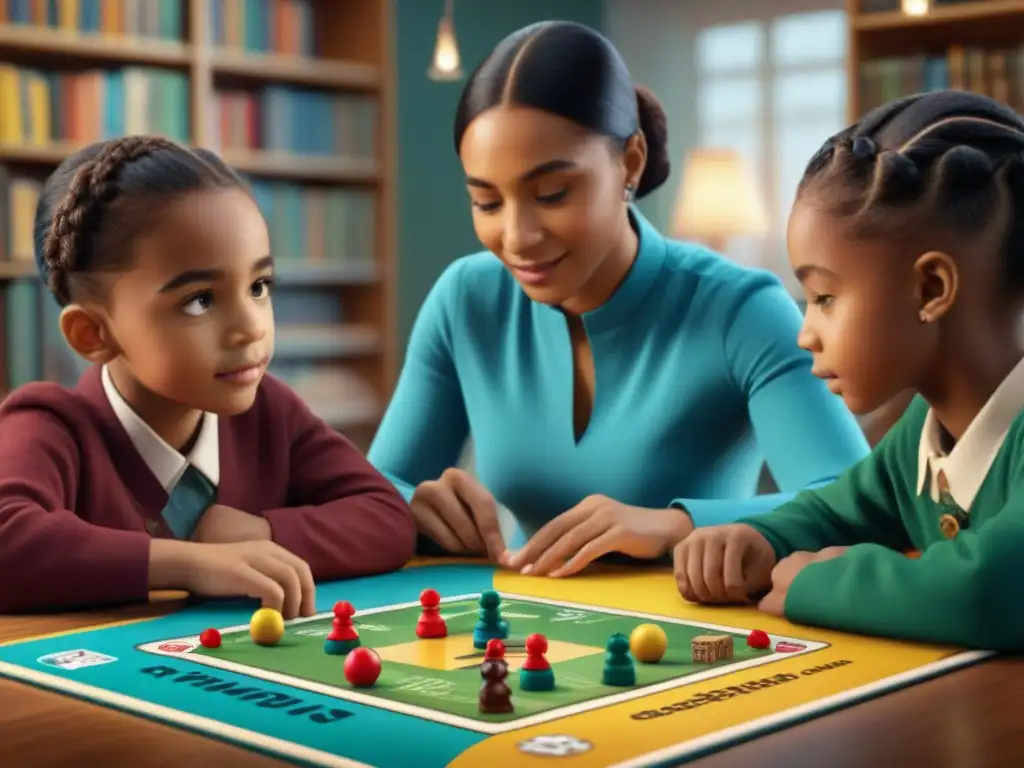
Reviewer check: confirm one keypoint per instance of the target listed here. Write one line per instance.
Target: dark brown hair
(101, 198)
(948, 163)
(572, 71)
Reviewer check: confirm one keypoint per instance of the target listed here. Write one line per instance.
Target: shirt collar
(967, 465)
(164, 461)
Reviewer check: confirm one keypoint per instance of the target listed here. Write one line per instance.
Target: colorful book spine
(297, 120)
(160, 19)
(263, 26)
(39, 108)
(995, 72)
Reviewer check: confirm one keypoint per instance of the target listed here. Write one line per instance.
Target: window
(773, 90)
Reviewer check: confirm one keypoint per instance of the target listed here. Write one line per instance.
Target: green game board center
(410, 671)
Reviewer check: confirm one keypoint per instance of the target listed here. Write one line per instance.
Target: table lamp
(718, 199)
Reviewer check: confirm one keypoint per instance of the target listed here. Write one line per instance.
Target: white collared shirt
(967, 465)
(164, 461)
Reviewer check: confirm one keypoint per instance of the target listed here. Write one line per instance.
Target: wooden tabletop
(967, 719)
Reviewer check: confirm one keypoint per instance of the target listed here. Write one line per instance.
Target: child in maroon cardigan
(161, 261)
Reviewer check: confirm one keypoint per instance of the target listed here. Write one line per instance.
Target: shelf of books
(899, 47)
(295, 94)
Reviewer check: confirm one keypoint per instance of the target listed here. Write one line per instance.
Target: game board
(293, 701)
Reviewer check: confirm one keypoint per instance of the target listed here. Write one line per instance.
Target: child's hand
(226, 525)
(258, 569)
(784, 573)
(723, 564)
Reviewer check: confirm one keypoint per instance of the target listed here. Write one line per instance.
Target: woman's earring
(629, 193)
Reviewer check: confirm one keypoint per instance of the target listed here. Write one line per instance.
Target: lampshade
(447, 64)
(718, 197)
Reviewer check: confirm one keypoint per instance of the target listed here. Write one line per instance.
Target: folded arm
(862, 505)
(961, 592)
(342, 516)
(50, 557)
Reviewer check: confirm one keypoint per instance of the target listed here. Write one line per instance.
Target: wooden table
(968, 719)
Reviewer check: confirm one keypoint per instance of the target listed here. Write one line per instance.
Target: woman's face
(548, 198)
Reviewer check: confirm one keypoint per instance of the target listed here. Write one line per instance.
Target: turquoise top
(698, 381)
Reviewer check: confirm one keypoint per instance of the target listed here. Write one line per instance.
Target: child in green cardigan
(908, 238)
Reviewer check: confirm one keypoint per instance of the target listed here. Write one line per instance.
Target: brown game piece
(707, 649)
(495, 695)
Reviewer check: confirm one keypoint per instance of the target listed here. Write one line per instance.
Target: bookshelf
(974, 45)
(295, 94)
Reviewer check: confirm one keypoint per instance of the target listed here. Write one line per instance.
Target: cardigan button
(949, 526)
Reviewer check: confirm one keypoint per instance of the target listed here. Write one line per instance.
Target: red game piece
(758, 638)
(210, 638)
(341, 627)
(536, 647)
(431, 624)
(495, 650)
(362, 667)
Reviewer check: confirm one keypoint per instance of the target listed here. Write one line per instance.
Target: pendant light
(447, 66)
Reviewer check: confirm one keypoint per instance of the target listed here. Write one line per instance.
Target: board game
(384, 676)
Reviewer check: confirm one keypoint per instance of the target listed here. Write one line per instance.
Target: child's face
(862, 324)
(192, 317)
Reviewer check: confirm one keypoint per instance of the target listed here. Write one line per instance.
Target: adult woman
(619, 387)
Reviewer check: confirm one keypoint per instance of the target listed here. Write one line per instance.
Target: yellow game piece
(266, 627)
(648, 643)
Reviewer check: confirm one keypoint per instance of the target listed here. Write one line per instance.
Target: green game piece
(489, 625)
(536, 679)
(618, 664)
(340, 647)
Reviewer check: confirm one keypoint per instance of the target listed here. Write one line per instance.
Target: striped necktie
(191, 497)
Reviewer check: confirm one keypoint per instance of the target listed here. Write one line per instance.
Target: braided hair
(100, 199)
(945, 163)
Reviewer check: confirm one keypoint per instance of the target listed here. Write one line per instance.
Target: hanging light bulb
(447, 65)
(916, 7)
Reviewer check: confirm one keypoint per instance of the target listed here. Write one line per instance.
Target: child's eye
(822, 299)
(261, 288)
(198, 303)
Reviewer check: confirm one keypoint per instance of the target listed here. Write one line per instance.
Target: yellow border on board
(681, 721)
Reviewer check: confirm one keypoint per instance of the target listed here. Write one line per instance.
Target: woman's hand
(460, 515)
(596, 526)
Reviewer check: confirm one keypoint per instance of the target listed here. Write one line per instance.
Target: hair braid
(96, 202)
(77, 214)
(945, 160)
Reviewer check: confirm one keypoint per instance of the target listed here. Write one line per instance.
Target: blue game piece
(340, 647)
(489, 625)
(618, 664)
(536, 679)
